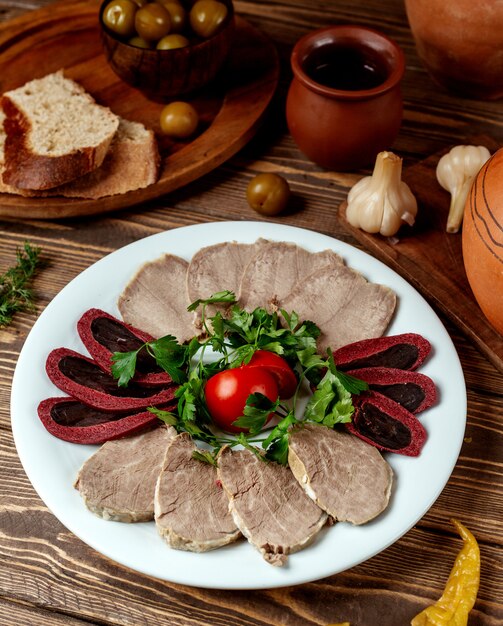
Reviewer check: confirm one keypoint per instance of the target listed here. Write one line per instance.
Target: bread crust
(25, 170)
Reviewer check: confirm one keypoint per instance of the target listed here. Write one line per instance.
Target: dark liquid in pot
(345, 68)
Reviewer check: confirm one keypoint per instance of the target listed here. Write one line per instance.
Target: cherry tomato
(226, 393)
(279, 368)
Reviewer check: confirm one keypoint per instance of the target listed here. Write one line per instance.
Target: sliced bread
(132, 162)
(55, 132)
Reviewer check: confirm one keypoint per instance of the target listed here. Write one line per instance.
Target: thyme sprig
(15, 294)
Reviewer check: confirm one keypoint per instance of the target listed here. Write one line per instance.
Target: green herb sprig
(236, 337)
(15, 295)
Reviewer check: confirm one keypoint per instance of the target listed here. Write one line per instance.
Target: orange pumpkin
(483, 239)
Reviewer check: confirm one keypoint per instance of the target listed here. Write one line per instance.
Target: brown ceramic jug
(344, 104)
(461, 44)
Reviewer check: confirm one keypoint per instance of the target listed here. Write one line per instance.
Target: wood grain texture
(48, 576)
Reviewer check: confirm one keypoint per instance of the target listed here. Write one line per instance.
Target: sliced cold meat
(277, 269)
(118, 481)
(344, 305)
(218, 268)
(191, 508)
(268, 505)
(155, 300)
(350, 481)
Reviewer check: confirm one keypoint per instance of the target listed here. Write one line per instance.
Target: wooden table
(49, 577)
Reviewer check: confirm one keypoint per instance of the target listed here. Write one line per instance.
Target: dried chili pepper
(461, 588)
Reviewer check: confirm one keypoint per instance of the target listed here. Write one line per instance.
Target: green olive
(138, 42)
(268, 194)
(152, 22)
(170, 42)
(140, 3)
(179, 119)
(207, 16)
(178, 15)
(119, 17)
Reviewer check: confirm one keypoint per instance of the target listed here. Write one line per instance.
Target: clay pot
(342, 125)
(483, 239)
(461, 42)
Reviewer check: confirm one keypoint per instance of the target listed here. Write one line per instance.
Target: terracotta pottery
(461, 44)
(344, 104)
(162, 74)
(483, 239)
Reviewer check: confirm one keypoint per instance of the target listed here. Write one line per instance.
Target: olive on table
(170, 42)
(268, 193)
(119, 17)
(152, 22)
(179, 119)
(206, 17)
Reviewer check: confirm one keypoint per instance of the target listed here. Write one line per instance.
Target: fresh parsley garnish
(15, 295)
(236, 336)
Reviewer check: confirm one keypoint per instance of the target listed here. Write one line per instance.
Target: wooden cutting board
(66, 35)
(432, 260)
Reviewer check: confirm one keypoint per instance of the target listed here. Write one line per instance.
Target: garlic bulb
(456, 171)
(382, 202)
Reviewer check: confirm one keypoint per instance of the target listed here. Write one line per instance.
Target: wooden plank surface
(48, 576)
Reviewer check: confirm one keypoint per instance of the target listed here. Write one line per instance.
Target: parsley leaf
(221, 297)
(171, 356)
(205, 456)
(167, 417)
(124, 366)
(257, 410)
(276, 443)
(241, 439)
(330, 403)
(351, 383)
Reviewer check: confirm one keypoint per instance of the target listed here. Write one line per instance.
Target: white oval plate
(52, 464)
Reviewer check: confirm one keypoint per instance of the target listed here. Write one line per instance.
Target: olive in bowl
(153, 47)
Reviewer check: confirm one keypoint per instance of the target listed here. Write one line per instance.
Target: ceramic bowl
(163, 74)
(339, 116)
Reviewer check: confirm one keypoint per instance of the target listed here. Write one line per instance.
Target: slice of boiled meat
(277, 269)
(346, 477)
(118, 481)
(268, 505)
(155, 300)
(344, 305)
(191, 508)
(217, 268)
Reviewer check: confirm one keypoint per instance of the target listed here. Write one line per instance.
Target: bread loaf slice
(132, 162)
(55, 132)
